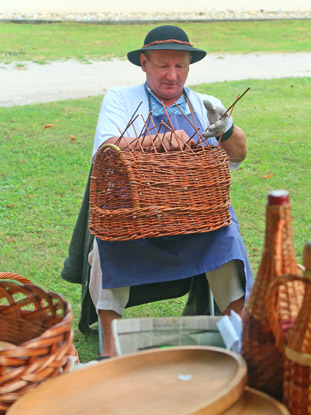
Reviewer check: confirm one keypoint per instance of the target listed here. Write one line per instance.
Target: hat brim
(196, 54)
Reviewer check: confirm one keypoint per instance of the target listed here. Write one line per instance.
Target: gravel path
(56, 81)
(116, 17)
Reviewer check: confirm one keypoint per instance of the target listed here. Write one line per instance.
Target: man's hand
(217, 125)
(174, 142)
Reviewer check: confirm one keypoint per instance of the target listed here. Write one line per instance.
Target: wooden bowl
(178, 380)
(254, 402)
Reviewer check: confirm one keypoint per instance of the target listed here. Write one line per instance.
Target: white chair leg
(100, 338)
(211, 302)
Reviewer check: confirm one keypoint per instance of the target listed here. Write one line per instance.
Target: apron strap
(184, 94)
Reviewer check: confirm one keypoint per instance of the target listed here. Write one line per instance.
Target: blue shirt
(157, 107)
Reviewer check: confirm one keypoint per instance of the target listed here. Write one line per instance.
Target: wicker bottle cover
(297, 361)
(263, 359)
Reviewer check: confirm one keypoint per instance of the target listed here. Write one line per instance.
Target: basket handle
(14, 276)
(114, 146)
(273, 310)
(23, 280)
(272, 296)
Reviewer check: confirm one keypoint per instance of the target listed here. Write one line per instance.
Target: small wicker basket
(138, 194)
(39, 325)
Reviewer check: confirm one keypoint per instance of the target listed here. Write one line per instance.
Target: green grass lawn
(43, 172)
(48, 42)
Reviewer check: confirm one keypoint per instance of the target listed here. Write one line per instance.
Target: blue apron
(168, 258)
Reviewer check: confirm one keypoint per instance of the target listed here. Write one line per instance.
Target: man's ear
(143, 61)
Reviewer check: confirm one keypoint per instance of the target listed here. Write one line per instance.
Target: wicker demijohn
(263, 357)
(38, 326)
(296, 345)
(139, 192)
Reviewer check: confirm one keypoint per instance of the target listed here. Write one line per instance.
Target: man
(165, 59)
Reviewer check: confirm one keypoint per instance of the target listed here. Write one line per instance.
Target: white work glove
(217, 125)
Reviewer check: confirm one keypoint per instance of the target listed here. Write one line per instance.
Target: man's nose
(171, 74)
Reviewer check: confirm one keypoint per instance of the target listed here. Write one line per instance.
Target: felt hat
(166, 38)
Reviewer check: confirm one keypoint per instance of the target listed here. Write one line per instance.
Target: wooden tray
(254, 402)
(177, 380)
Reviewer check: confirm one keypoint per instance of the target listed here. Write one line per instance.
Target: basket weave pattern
(263, 356)
(39, 324)
(264, 361)
(278, 258)
(297, 388)
(137, 194)
(284, 299)
(297, 354)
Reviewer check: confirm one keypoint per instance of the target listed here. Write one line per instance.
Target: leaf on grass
(49, 125)
(9, 239)
(29, 195)
(11, 205)
(268, 176)
(72, 137)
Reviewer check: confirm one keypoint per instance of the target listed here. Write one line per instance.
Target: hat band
(158, 42)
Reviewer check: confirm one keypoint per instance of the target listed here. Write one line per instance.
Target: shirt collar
(157, 108)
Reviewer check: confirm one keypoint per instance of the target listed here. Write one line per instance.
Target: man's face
(166, 72)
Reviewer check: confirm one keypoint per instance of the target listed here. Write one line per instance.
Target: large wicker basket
(138, 194)
(39, 325)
